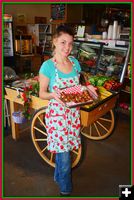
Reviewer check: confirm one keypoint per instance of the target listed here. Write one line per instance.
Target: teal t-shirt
(48, 69)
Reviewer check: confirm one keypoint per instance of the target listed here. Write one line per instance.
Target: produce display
(98, 80)
(107, 82)
(105, 86)
(103, 93)
(112, 85)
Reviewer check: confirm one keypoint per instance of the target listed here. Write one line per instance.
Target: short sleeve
(45, 69)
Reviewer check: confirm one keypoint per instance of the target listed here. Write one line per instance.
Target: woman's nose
(67, 46)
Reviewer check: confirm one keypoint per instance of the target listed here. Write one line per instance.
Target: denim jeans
(62, 174)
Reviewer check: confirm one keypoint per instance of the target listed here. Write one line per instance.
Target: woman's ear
(54, 41)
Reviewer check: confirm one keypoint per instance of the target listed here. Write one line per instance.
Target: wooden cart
(97, 123)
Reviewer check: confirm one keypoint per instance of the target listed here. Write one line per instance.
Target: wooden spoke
(82, 128)
(96, 129)
(40, 131)
(102, 125)
(44, 149)
(101, 128)
(51, 158)
(75, 152)
(104, 119)
(42, 122)
(90, 129)
(41, 139)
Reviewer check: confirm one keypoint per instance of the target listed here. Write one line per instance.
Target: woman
(62, 123)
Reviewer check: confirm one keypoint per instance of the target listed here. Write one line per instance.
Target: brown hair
(62, 29)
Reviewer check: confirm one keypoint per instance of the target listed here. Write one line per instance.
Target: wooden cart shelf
(87, 118)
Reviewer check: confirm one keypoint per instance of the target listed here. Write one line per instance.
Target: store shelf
(125, 91)
(124, 111)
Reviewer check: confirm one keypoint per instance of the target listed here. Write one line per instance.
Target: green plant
(26, 97)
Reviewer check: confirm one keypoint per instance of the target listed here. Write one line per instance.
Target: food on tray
(76, 97)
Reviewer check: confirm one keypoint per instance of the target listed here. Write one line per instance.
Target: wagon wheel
(101, 128)
(39, 138)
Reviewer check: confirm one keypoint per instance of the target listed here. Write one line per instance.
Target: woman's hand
(57, 98)
(93, 90)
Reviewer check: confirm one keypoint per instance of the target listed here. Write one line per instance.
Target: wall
(42, 10)
(74, 13)
(29, 10)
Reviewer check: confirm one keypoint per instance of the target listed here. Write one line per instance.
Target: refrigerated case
(8, 41)
(99, 58)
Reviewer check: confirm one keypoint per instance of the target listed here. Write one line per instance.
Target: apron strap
(70, 58)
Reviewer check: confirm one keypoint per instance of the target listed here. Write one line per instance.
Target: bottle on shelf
(110, 32)
(115, 27)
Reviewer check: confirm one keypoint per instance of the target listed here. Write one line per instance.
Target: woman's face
(63, 44)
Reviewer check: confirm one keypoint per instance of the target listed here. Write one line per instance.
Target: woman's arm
(43, 92)
(44, 82)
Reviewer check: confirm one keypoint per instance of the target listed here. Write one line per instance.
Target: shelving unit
(41, 34)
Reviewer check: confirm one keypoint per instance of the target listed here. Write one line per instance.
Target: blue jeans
(62, 174)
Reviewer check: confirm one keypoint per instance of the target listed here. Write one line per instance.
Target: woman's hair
(64, 29)
(60, 30)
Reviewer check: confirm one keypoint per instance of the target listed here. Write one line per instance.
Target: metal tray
(74, 90)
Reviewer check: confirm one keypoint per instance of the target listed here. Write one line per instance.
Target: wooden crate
(88, 118)
(36, 102)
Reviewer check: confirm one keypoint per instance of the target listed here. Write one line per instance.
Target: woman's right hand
(57, 98)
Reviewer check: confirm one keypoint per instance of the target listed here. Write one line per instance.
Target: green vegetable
(98, 80)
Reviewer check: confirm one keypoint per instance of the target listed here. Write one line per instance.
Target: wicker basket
(18, 117)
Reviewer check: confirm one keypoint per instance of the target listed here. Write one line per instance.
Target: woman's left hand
(93, 90)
